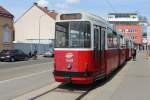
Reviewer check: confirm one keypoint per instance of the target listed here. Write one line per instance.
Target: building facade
(131, 31)
(148, 34)
(35, 28)
(6, 29)
(143, 22)
(128, 24)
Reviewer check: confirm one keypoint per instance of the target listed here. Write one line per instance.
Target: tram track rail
(82, 90)
(61, 88)
(49, 91)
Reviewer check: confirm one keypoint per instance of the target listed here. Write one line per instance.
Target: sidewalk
(131, 83)
(136, 84)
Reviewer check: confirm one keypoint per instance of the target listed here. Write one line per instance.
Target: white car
(49, 53)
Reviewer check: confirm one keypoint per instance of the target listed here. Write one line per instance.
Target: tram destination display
(70, 16)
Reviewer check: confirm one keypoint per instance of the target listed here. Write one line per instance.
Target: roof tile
(52, 14)
(4, 12)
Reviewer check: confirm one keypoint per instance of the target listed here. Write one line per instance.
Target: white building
(123, 17)
(35, 26)
(148, 35)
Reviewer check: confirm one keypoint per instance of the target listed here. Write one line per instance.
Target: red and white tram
(86, 48)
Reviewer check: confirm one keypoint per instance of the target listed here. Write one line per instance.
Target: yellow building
(6, 29)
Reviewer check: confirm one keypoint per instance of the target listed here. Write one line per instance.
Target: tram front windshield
(75, 34)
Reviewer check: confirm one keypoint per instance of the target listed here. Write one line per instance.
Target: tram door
(99, 47)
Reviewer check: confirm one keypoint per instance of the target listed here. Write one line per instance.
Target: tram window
(74, 34)
(61, 31)
(115, 40)
(127, 44)
(122, 42)
(96, 39)
(103, 38)
(87, 36)
(130, 44)
(110, 38)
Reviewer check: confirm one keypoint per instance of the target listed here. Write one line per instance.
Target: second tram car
(86, 48)
(129, 49)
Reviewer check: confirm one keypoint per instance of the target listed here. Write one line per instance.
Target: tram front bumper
(75, 80)
(74, 77)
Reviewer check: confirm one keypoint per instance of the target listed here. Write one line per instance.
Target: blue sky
(98, 7)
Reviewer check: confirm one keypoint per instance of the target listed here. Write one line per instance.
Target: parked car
(13, 55)
(49, 53)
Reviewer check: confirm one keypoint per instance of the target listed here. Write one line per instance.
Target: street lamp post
(40, 32)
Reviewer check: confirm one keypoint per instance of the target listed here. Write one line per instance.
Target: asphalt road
(5, 65)
(17, 78)
(130, 83)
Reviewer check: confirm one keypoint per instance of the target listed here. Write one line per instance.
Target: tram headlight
(69, 66)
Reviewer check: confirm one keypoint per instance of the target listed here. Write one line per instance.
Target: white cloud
(43, 3)
(72, 1)
(64, 6)
(61, 6)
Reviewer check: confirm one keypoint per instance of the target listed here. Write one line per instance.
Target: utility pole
(40, 33)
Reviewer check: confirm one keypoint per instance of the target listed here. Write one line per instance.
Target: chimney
(52, 11)
(35, 3)
(46, 8)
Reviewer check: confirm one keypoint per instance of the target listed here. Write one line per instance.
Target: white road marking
(19, 62)
(26, 76)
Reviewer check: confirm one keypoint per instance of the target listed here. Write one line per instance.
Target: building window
(111, 16)
(126, 30)
(6, 34)
(110, 38)
(115, 40)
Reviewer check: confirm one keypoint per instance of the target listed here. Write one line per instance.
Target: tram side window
(122, 42)
(130, 44)
(115, 40)
(103, 38)
(110, 38)
(96, 38)
(87, 35)
(127, 44)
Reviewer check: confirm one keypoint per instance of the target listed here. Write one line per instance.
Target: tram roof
(87, 17)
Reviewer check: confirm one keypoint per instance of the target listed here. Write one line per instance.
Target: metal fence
(31, 47)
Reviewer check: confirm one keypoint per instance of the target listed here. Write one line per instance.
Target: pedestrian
(35, 55)
(134, 54)
(149, 50)
(30, 54)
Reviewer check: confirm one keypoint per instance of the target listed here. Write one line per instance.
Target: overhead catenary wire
(110, 5)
